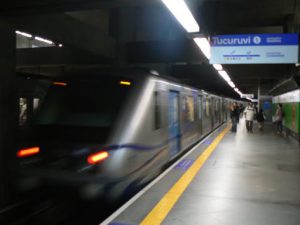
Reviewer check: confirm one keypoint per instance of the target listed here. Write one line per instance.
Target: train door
(200, 102)
(224, 113)
(220, 111)
(173, 115)
(212, 107)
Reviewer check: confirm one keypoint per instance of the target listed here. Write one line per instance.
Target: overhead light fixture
(154, 72)
(204, 46)
(182, 13)
(43, 40)
(24, 34)
(60, 45)
(218, 66)
(231, 84)
(250, 99)
(224, 74)
(237, 90)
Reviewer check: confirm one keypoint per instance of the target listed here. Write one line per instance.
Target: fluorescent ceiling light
(231, 84)
(154, 72)
(182, 13)
(24, 34)
(224, 74)
(203, 44)
(43, 40)
(218, 66)
(60, 45)
(236, 89)
(250, 99)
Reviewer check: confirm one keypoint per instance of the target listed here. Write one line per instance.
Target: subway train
(109, 133)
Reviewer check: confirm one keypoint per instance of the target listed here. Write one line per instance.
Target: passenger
(241, 110)
(260, 119)
(279, 118)
(234, 114)
(249, 115)
(256, 109)
(238, 113)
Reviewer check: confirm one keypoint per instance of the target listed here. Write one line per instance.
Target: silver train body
(157, 120)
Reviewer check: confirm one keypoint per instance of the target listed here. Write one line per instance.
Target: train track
(50, 210)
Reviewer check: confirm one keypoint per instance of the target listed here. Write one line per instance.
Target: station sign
(254, 49)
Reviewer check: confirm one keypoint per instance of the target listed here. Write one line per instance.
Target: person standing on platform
(234, 114)
(238, 113)
(241, 110)
(256, 109)
(260, 119)
(249, 115)
(279, 118)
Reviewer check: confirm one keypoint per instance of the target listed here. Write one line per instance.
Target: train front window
(83, 103)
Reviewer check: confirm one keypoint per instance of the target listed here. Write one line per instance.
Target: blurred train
(106, 134)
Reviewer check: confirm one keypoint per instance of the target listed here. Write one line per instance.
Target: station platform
(227, 179)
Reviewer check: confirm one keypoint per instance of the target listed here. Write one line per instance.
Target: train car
(104, 133)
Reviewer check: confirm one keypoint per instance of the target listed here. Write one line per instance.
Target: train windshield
(83, 103)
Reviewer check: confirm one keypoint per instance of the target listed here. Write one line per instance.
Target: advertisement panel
(254, 49)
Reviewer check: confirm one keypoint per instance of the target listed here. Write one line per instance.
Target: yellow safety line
(164, 206)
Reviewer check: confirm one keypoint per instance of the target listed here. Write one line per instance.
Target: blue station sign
(254, 48)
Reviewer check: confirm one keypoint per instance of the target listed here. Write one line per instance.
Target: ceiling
(144, 33)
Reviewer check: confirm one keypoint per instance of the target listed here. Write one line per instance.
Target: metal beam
(247, 76)
(177, 51)
(57, 56)
(221, 17)
(65, 29)
(33, 7)
(259, 71)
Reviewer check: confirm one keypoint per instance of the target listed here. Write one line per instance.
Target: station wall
(291, 108)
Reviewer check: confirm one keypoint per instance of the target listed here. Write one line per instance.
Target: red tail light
(97, 157)
(59, 83)
(28, 152)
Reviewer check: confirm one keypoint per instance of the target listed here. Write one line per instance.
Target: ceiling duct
(286, 86)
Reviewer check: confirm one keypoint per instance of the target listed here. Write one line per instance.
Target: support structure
(8, 112)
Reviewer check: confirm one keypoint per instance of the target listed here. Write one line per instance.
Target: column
(8, 113)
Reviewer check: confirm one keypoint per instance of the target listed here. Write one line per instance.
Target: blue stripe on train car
(173, 114)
